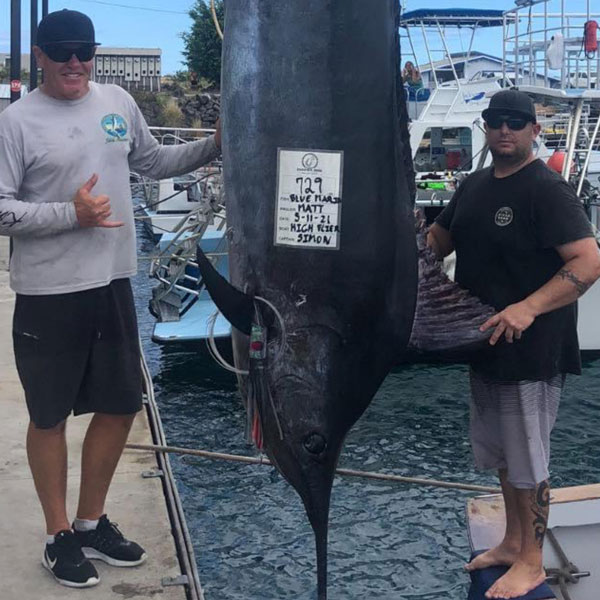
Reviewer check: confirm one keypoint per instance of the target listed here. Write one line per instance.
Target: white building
(469, 66)
(131, 68)
(5, 61)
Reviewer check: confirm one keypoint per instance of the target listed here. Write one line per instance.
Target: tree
(203, 44)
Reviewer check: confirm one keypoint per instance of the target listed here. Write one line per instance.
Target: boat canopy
(453, 17)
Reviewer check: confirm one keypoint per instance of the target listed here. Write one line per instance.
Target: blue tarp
(457, 17)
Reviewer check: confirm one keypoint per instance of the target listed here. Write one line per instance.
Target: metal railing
(529, 32)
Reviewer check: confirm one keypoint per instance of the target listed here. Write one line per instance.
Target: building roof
(102, 50)
(458, 58)
(453, 17)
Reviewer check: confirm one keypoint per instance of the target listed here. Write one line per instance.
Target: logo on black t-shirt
(504, 216)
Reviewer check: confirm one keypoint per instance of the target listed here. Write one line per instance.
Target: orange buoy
(557, 161)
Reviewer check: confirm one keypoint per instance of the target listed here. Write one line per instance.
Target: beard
(512, 157)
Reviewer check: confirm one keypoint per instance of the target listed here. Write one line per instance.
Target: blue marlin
(323, 256)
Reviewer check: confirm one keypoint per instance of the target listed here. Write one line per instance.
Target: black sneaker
(107, 543)
(65, 560)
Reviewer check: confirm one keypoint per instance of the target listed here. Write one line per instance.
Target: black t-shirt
(505, 232)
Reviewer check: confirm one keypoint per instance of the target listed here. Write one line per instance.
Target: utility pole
(33, 71)
(15, 50)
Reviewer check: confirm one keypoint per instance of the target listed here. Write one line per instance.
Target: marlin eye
(315, 443)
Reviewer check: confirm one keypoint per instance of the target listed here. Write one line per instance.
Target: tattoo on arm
(582, 286)
(540, 505)
(9, 218)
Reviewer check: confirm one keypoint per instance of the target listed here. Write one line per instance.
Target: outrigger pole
(15, 50)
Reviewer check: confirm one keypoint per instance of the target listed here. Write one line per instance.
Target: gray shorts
(511, 424)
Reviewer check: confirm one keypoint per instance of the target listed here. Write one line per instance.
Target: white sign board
(309, 198)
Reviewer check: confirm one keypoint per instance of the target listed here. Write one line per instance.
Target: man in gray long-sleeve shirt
(67, 149)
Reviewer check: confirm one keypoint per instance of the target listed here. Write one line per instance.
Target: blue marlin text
(315, 198)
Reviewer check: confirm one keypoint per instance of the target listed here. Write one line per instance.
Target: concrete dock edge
(136, 503)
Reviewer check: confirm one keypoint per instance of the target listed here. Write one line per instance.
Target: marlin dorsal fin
(447, 317)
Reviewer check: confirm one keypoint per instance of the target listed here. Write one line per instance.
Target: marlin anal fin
(447, 317)
(236, 307)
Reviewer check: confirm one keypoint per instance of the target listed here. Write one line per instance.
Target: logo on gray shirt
(115, 126)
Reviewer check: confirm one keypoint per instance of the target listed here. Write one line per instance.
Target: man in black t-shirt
(524, 245)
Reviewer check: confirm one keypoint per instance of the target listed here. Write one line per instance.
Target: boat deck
(135, 502)
(575, 525)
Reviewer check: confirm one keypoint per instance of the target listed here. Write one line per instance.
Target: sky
(159, 23)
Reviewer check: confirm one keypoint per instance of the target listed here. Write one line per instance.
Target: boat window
(445, 149)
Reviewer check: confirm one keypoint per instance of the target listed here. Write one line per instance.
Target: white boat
(572, 547)
(183, 309)
(165, 204)
(447, 135)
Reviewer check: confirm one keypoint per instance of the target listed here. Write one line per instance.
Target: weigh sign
(309, 198)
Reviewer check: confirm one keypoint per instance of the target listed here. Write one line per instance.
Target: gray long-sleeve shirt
(48, 149)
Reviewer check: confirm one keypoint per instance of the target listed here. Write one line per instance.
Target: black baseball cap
(66, 27)
(511, 102)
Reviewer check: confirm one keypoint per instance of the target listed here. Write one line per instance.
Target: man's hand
(511, 322)
(93, 211)
(218, 133)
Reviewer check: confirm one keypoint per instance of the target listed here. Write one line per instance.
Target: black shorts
(78, 352)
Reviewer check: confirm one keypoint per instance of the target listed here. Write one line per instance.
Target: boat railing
(180, 135)
(548, 42)
(415, 100)
(150, 188)
(175, 267)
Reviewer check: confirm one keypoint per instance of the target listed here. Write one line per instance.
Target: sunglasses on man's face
(512, 122)
(63, 54)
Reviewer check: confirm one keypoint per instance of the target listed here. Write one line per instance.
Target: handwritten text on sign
(309, 198)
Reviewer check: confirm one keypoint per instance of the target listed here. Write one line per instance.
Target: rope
(213, 11)
(567, 572)
(345, 472)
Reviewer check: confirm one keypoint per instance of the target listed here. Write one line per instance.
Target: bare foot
(504, 554)
(520, 579)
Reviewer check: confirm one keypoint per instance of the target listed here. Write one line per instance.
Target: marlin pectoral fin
(236, 307)
(447, 317)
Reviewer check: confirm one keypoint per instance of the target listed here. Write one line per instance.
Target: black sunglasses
(512, 122)
(62, 54)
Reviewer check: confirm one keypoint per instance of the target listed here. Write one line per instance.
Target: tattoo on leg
(582, 286)
(540, 503)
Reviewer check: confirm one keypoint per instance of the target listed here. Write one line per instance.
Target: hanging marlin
(322, 249)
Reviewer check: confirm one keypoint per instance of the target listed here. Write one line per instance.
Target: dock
(136, 499)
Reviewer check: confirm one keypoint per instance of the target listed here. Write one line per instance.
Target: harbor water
(387, 540)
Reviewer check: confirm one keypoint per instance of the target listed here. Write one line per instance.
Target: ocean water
(387, 540)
